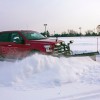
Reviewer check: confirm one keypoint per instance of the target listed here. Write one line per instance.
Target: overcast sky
(59, 15)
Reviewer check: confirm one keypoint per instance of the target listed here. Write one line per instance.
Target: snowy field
(42, 77)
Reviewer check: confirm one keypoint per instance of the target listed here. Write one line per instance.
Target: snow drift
(44, 70)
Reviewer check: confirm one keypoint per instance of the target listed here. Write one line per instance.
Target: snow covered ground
(42, 77)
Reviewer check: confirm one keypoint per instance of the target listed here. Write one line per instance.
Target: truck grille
(61, 48)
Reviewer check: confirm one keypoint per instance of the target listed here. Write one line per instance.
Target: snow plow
(69, 53)
(22, 43)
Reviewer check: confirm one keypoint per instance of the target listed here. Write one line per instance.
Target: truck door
(13, 46)
(4, 43)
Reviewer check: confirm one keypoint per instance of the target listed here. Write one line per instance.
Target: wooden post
(97, 44)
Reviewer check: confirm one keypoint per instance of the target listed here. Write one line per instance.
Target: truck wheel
(33, 52)
(1, 58)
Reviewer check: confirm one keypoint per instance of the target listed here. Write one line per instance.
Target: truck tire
(1, 58)
(33, 52)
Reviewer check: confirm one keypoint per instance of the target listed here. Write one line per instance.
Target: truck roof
(18, 31)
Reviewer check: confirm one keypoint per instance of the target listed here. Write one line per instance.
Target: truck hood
(53, 41)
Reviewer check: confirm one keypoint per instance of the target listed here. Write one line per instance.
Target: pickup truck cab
(21, 43)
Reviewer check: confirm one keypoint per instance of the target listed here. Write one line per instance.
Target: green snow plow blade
(92, 55)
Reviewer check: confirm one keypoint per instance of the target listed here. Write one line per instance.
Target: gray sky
(59, 15)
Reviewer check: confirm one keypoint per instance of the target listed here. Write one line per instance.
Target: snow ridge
(44, 70)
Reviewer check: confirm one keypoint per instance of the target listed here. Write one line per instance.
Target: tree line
(71, 33)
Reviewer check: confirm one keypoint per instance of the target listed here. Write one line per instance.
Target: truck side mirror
(17, 40)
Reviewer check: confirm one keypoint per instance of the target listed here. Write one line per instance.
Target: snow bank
(44, 70)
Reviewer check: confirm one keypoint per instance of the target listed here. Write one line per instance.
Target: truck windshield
(33, 35)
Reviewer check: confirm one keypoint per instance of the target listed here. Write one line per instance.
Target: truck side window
(15, 37)
(4, 37)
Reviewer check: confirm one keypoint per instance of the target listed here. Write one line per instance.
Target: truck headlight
(48, 48)
(63, 43)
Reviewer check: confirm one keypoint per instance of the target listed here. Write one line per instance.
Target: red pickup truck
(19, 44)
